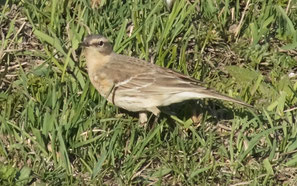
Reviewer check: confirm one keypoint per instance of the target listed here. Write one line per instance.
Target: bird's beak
(83, 45)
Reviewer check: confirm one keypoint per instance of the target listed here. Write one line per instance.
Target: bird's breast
(102, 83)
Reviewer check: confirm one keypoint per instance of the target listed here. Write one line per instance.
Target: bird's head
(97, 43)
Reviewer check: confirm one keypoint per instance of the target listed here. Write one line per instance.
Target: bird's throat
(95, 60)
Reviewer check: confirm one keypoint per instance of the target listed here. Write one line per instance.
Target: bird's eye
(100, 43)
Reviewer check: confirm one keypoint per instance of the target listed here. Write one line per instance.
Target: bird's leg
(143, 118)
(156, 119)
(156, 113)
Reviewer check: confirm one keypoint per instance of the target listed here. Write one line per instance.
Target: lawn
(55, 129)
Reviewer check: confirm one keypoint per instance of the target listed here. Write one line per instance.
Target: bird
(139, 86)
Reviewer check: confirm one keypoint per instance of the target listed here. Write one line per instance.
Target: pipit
(136, 85)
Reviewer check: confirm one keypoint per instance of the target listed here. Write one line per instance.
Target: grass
(57, 130)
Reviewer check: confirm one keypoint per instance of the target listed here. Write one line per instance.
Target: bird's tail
(216, 95)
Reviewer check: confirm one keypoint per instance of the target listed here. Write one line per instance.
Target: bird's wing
(137, 77)
(133, 73)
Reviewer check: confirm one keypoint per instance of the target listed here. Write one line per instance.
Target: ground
(57, 130)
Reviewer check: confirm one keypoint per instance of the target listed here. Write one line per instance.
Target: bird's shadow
(214, 109)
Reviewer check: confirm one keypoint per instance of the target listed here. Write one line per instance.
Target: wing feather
(135, 77)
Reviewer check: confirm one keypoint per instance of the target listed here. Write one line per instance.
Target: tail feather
(198, 94)
(215, 95)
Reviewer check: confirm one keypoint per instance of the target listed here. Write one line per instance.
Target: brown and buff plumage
(138, 86)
